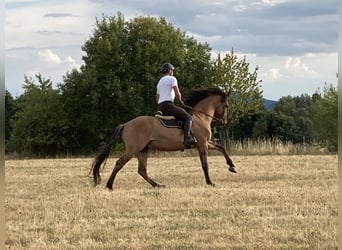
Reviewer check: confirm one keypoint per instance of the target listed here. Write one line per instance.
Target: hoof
(157, 185)
(232, 169)
(110, 188)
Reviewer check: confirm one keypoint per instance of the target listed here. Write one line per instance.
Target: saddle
(168, 121)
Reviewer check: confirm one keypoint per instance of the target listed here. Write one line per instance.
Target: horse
(145, 133)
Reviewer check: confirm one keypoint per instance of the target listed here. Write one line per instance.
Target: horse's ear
(229, 92)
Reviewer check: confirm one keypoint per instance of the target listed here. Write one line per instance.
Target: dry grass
(274, 202)
(274, 147)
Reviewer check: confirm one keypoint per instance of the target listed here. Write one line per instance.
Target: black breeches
(168, 108)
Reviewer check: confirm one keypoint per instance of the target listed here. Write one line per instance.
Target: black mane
(197, 95)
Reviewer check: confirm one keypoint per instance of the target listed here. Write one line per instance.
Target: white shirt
(165, 88)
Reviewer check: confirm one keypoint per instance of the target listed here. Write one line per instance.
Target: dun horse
(144, 133)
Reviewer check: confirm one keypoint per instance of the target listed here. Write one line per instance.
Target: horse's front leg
(221, 149)
(203, 157)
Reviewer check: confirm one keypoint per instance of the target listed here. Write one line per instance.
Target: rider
(167, 90)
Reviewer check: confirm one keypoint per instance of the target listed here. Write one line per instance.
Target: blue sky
(294, 42)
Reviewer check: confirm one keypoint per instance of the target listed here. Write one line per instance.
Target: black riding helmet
(166, 67)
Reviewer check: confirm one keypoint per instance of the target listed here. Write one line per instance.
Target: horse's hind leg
(118, 166)
(142, 163)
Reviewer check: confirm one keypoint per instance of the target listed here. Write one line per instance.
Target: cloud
(294, 65)
(72, 62)
(49, 57)
(52, 58)
(58, 15)
(20, 3)
(290, 40)
(47, 22)
(265, 27)
(274, 73)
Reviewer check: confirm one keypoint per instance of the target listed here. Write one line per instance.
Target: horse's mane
(195, 96)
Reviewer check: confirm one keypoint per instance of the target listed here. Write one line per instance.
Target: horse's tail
(105, 153)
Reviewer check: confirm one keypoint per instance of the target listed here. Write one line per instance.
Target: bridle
(218, 119)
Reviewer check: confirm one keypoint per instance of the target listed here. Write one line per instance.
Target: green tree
(250, 126)
(325, 117)
(10, 110)
(121, 68)
(300, 109)
(280, 126)
(232, 74)
(245, 96)
(38, 123)
(265, 125)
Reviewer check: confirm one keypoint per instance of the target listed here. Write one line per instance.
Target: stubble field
(274, 202)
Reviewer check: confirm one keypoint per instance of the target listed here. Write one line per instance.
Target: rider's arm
(178, 94)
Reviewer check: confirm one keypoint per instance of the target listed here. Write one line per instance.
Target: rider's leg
(188, 139)
(168, 108)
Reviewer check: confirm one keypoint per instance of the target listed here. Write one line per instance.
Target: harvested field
(274, 202)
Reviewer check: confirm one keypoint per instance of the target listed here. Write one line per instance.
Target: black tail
(105, 153)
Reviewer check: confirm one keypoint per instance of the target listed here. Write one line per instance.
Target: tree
(265, 125)
(121, 68)
(232, 75)
(38, 123)
(249, 126)
(10, 110)
(325, 117)
(280, 126)
(245, 95)
(300, 109)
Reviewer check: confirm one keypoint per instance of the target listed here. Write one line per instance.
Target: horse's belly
(167, 139)
(166, 145)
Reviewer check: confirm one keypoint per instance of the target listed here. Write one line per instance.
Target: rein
(199, 111)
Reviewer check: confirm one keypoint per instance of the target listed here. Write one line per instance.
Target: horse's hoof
(110, 188)
(160, 186)
(232, 169)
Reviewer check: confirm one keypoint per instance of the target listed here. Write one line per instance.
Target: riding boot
(188, 139)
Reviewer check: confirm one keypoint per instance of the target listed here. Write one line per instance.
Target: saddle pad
(173, 123)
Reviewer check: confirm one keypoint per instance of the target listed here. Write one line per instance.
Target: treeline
(300, 119)
(117, 82)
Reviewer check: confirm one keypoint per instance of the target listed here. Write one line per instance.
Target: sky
(294, 43)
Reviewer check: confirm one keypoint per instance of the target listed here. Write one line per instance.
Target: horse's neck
(207, 107)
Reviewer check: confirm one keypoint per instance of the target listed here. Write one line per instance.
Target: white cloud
(272, 2)
(33, 25)
(239, 7)
(294, 65)
(296, 75)
(72, 62)
(274, 73)
(287, 39)
(52, 58)
(49, 57)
